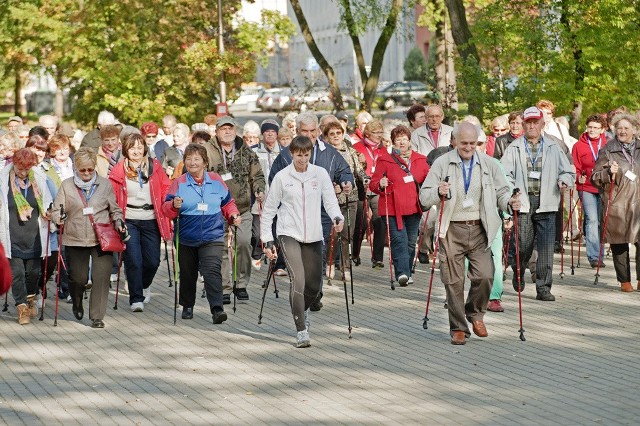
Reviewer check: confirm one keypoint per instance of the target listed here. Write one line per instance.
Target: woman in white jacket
(297, 195)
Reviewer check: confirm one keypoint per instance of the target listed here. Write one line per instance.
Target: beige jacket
(77, 230)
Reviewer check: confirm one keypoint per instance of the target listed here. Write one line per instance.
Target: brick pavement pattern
(579, 365)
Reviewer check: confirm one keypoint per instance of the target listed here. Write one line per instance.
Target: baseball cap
(532, 113)
(227, 119)
(342, 115)
(15, 118)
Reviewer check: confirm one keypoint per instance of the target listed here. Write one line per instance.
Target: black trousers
(207, 259)
(621, 263)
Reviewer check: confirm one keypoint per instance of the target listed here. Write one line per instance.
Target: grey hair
(307, 118)
(106, 118)
(325, 119)
(457, 127)
(44, 118)
(195, 127)
(501, 120)
(169, 117)
(84, 155)
(633, 120)
(251, 128)
(182, 128)
(363, 115)
(471, 119)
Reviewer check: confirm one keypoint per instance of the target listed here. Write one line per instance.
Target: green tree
(415, 66)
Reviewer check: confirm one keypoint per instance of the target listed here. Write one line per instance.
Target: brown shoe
(479, 329)
(458, 338)
(638, 285)
(626, 287)
(31, 304)
(24, 316)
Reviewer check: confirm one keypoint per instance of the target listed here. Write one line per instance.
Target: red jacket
(159, 184)
(584, 161)
(370, 154)
(5, 272)
(402, 196)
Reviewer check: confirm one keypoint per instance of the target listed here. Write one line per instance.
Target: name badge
(87, 211)
(227, 176)
(534, 175)
(373, 169)
(408, 178)
(630, 175)
(467, 203)
(203, 207)
(169, 171)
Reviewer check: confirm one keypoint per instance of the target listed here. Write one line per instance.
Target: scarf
(516, 136)
(141, 174)
(369, 143)
(113, 158)
(628, 147)
(22, 205)
(85, 186)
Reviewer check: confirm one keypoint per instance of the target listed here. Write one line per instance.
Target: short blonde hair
(84, 155)
(373, 126)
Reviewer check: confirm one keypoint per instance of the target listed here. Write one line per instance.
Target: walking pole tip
(522, 335)
(425, 324)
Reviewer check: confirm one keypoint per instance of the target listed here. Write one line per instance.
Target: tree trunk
(17, 92)
(578, 67)
(441, 61)
(334, 87)
(58, 107)
(451, 77)
(470, 59)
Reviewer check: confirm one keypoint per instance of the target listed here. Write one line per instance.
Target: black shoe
(97, 323)
(376, 264)
(594, 264)
(219, 317)
(226, 299)
(423, 257)
(557, 247)
(357, 261)
(545, 295)
(515, 286)
(78, 310)
(316, 305)
(187, 313)
(241, 294)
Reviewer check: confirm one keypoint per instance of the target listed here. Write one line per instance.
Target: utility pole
(223, 85)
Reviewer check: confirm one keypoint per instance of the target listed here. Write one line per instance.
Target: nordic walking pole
(61, 230)
(46, 267)
(272, 263)
(386, 208)
(344, 278)
(332, 238)
(604, 228)
(166, 257)
(365, 210)
(569, 226)
(115, 307)
(235, 265)
(581, 227)
(516, 242)
(349, 247)
(5, 308)
(424, 231)
(562, 237)
(425, 321)
(176, 269)
(505, 258)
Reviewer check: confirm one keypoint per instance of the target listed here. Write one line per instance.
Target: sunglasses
(86, 170)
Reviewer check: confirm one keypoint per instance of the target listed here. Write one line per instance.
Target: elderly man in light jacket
(432, 135)
(474, 186)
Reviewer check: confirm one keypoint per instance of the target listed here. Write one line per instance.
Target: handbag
(107, 235)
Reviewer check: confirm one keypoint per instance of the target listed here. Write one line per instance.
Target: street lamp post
(223, 85)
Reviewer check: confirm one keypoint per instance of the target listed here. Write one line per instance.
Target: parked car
(280, 100)
(265, 101)
(403, 93)
(247, 99)
(315, 98)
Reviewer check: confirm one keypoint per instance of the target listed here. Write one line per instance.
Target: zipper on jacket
(304, 216)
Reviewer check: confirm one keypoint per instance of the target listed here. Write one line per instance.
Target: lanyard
(526, 146)
(629, 158)
(26, 186)
(595, 157)
(315, 153)
(89, 194)
(140, 175)
(224, 155)
(467, 178)
(195, 186)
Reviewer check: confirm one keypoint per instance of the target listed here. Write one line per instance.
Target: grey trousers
(244, 255)
(25, 273)
(304, 262)
(470, 242)
(78, 264)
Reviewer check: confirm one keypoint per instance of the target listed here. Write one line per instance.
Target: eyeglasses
(86, 170)
(500, 130)
(151, 136)
(434, 116)
(334, 134)
(377, 133)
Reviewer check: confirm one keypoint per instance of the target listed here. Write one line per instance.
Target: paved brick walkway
(578, 366)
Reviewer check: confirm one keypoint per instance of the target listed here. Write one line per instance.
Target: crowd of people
(304, 193)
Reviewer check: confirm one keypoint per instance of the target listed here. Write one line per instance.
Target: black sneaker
(545, 295)
(558, 248)
(515, 285)
(594, 264)
(356, 261)
(226, 299)
(241, 294)
(315, 306)
(376, 264)
(187, 313)
(219, 317)
(423, 257)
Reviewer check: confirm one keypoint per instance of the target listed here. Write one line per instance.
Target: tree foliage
(415, 66)
(138, 58)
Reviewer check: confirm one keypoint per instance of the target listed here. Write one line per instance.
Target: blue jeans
(592, 208)
(142, 256)
(403, 243)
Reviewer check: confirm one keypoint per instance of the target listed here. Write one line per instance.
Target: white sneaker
(137, 307)
(39, 301)
(347, 276)
(281, 273)
(69, 299)
(146, 292)
(304, 341)
(307, 322)
(403, 280)
(256, 263)
(114, 278)
(410, 281)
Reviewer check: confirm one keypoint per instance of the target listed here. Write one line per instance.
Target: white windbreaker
(297, 200)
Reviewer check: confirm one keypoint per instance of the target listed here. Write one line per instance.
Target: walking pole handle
(448, 196)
